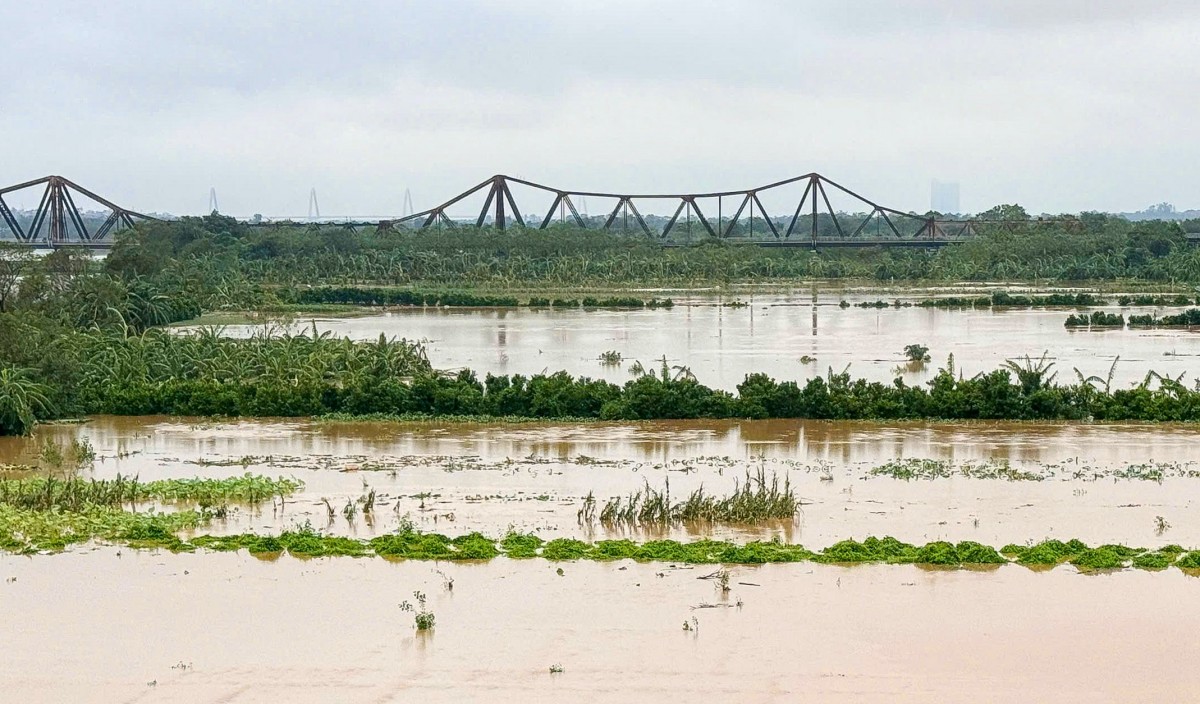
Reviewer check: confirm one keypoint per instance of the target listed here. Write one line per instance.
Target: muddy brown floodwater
(101, 623)
(457, 478)
(721, 345)
(139, 627)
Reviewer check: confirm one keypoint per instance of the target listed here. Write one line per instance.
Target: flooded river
(101, 623)
(457, 478)
(772, 334)
(141, 627)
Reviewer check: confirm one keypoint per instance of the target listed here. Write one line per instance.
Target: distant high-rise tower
(212, 200)
(943, 197)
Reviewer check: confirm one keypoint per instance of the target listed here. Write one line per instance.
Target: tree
(22, 400)
(15, 263)
(1005, 212)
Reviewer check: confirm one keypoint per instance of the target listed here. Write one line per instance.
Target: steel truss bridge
(812, 222)
(803, 215)
(58, 220)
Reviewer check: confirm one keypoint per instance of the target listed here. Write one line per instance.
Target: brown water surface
(456, 478)
(138, 627)
(721, 345)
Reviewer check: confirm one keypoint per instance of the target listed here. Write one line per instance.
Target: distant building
(943, 197)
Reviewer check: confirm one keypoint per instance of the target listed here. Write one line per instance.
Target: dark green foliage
(883, 304)
(200, 251)
(972, 553)
(475, 546)
(1190, 561)
(937, 553)
(1097, 319)
(1188, 318)
(1101, 558)
(380, 296)
(521, 545)
(1002, 299)
(565, 549)
(1052, 552)
(1157, 560)
(1013, 550)
(308, 543)
(1157, 300)
(872, 549)
(772, 551)
(303, 375)
(613, 549)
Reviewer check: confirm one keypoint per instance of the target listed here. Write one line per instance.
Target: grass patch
(754, 499)
(76, 494)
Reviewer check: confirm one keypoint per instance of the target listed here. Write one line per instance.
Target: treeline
(72, 289)
(299, 375)
(997, 299)
(385, 296)
(55, 371)
(217, 250)
(1099, 319)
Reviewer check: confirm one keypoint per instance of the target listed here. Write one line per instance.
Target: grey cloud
(1051, 103)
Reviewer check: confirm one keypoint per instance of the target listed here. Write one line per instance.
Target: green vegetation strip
(205, 374)
(45, 514)
(998, 299)
(754, 500)
(220, 261)
(387, 296)
(1099, 319)
(75, 494)
(155, 531)
(50, 514)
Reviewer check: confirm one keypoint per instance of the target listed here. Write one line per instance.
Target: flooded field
(771, 334)
(230, 628)
(1008, 482)
(153, 625)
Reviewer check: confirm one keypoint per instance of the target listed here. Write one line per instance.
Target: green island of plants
(1157, 300)
(41, 514)
(997, 299)
(157, 531)
(58, 372)
(45, 513)
(1188, 318)
(1097, 319)
(754, 499)
(392, 296)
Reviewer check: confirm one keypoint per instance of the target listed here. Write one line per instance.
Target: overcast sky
(1061, 105)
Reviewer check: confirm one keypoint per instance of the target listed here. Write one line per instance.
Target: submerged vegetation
(1186, 319)
(50, 514)
(755, 499)
(76, 494)
(1097, 319)
(290, 375)
(391, 296)
(1004, 299)
(910, 469)
(157, 531)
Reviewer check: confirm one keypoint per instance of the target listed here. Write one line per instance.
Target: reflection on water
(803, 440)
(772, 334)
